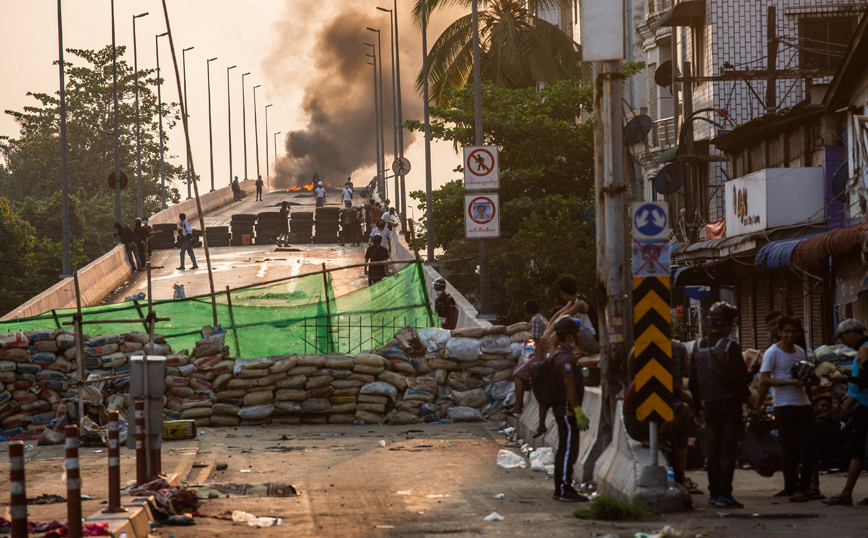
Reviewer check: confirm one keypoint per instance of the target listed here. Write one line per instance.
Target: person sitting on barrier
(719, 384)
(126, 236)
(376, 253)
(577, 304)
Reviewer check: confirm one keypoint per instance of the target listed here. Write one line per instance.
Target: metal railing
(663, 133)
(657, 7)
(354, 334)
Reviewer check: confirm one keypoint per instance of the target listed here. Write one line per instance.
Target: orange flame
(308, 187)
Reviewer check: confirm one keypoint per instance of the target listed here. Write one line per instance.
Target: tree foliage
(546, 184)
(30, 179)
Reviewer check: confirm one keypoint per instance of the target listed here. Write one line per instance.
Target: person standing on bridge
(126, 236)
(319, 192)
(186, 242)
(444, 305)
(143, 238)
(259, 184)
(376, 253)
(283, 238)
(348, 194)
(383, 232)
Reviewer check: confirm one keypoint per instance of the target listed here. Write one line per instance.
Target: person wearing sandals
(794, 414)
(852, 334)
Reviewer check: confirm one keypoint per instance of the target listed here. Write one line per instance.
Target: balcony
(663, 133)
(657, 8)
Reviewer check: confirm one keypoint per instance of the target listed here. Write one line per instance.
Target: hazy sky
(274, 40)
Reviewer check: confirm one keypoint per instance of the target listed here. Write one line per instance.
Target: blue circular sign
(650, 220)
(697, 292)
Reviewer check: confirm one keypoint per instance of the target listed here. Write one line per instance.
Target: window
(698, 40)
(824, 41)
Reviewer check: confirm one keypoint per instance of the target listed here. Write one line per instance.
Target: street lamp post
(210, 131)
(275, 148)
(229, 101)
(381, 179)
(117, 134)
(403, 196)
(382, 111)
(397, 134)
(256, 129)
(267, 167)
(160, 109)
(244, 122)
(429, 194)
(64, 175)
(139, 208)
(186, 108)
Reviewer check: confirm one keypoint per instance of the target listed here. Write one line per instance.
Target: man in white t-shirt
(348, 195)
(319, 192)
(794, 414)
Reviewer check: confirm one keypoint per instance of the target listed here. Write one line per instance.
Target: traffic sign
(401, 166)
(652, 349)
(111, 181)
(650, 220)
(651, 257)
(481, 216)
(481, 168)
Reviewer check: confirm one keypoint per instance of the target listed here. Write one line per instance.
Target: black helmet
(722, 312)
(566, 325)
(440, 284)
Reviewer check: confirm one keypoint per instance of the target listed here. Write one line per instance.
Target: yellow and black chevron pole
(652, 329)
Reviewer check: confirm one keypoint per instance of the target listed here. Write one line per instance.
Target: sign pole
(484, 276)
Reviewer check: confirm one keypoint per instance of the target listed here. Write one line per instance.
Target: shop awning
(705, 274)
(778, 253)
(682, 14)
(835, 243)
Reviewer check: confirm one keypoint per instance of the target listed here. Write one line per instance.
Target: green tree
(517, 49)
(546, 184)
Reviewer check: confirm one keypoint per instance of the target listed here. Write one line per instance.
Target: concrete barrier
(105, 274)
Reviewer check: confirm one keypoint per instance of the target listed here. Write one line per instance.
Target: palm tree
(517, 48)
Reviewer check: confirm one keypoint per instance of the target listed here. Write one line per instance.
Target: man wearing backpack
(558, 384)
(719, 384)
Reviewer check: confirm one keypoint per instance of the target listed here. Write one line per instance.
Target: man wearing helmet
(444, 305)
(319, 192)
(719, 384)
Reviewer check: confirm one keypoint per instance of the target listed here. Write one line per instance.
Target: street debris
(510, 460)
(255, 489)
(47, 499)
(494, 516)
(405, 492)
(239, 516)
(498, 496)
(543, 460)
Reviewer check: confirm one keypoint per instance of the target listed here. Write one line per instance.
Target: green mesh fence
(301, 315)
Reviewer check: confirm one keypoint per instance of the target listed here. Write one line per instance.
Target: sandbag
(286, 420)
(256, 412)
(368, 360)
(371, 407)
(282, 363)
(225, 409)
(468, 332)
(41, 334)
(399, 381)
(290, 395)
(16, 355)
(61, 365)
(352, 391)
(317, 361)
(427, 384)
(502, 375)
(475, 398)
(464, 414)
(251, 374)
(221, 382)
(442, 364)
(349, 407)
(411, 394)
(463, 349)
(365, 378)
(315, 419)
(224, 421)
(340, 363)
(342, 419)
(176, 381)
(302, 370)
(370, 398)
(368, 418)
(481, 370)
(196, 412)
(271, 379)
(380, 388)
(199, 384)
(409, 406)
(316, 405)
(347, 383)
(404, 368)
(494, 344)
(222, 367)
(520, 337)
(321, 392)
(316, 382)
(241, 384)
(14, 340)
(258, 397)
(292, 408)
(517, 328)
(402, 417)
(365, 369)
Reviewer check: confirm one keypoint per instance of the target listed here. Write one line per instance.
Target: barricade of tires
(242, 229)
(327, 225)
(301, 227)
(424, 376)
(269, 225)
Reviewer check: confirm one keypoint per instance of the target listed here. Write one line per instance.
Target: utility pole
(229, 115)
(256, 130)
(186, 107)
(690, 191)
(244, 123)
(429, 194)
(771, 86)
(117, 126)
(64, 175)
(400, 133)
(484, 275)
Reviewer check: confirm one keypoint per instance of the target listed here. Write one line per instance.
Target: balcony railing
(657, 7)
(663, 133)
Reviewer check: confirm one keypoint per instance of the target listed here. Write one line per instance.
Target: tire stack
(242, 224)
(218, 236)
(163, 237)
(327, 225)
(301, 227)
(268, 227)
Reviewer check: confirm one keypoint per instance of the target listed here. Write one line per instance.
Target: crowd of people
(136, 242)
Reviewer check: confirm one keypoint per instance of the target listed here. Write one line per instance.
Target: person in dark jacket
(126, 236)
(376, 253)
(143, 238)
(444, 305)
(719, 384)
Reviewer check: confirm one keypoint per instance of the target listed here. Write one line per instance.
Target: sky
(302, 53)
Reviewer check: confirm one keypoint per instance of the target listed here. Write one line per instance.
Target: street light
(229, 101)
(64, 175)
(160, 108)
(244, 121)
(397, 134)
(382, 109)
(429, 195)
(187, 108)
(256, 129)
(266, 143)
(275, 147)
(140, 206)
(381, 181)
(210, 132)
(117, 141)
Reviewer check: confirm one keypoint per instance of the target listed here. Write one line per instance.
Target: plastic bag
(510, 460)
(541, 458)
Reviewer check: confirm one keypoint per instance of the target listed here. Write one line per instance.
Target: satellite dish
(670, 178)
(590, 214)
(839, 182)
(663, 74)
(637, 129)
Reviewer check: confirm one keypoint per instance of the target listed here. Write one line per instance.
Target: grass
(612, 508)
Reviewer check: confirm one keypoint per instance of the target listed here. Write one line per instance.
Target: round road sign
(481, 210)
(401, 166)
(480, 162)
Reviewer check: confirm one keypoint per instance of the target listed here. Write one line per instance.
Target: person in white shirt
(794, 413)
(348, 195)
(186, 242)
(383, 232)
(319, 192)
(394, 220)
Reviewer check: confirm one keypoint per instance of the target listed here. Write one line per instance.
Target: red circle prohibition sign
(476, 163)
(481, 210)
